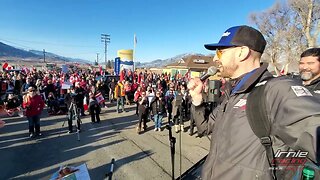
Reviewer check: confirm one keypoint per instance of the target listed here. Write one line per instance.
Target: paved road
(145, 156)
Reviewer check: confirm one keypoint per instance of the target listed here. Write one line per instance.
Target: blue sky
(164, 28)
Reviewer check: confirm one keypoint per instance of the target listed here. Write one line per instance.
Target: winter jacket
(143, 105)
(235, 151)
(137, 94)
(80, 94)
(34, 105)
(314, 87)
(158, 106)
(93, 104)
(119, 90)
(112, 85)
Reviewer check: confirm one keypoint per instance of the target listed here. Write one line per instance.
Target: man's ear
(243, 53)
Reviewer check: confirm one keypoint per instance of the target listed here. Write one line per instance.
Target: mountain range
(10, 53)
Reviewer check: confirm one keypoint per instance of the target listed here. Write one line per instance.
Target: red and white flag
(85, 105)
(101, 71)
(74, 79)
(99, 98)
(6, 66)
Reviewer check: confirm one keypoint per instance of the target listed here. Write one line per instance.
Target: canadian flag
(6, 66)
(73, 79)
(99, 98)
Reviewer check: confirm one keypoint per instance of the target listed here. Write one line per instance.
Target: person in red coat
(34, 106)
(122, 74)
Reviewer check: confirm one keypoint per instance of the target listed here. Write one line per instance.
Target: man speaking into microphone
(236, 152)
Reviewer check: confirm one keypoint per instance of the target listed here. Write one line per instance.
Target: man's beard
(306, 75)
(228, 70)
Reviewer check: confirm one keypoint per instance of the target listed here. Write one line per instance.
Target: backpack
(261, 126)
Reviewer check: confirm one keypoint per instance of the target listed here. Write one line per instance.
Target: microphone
(211, 71)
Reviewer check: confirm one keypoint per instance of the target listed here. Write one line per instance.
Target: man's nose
(305, 67)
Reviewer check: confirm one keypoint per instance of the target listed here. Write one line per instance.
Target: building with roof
(195, 64)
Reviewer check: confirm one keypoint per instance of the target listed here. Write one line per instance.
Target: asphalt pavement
(144, 156)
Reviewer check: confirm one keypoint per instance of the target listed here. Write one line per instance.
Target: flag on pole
(135, 39)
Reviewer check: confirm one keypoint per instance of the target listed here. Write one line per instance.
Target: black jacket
(314, 87)
(143, 107)
(235, 151)
(80, 93)
(158, 106)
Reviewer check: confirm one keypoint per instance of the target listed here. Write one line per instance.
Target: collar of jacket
(315, 82)
(259, 75)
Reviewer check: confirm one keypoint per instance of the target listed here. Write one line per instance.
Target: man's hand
(195, 88)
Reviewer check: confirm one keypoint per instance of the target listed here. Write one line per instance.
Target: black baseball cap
(240, 36)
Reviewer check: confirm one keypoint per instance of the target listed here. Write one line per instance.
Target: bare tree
(285, 28)
(308, 14)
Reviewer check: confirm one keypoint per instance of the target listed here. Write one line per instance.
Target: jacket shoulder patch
(301, 91)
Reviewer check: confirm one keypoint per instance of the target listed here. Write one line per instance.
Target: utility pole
(105, 38)
(44, 55)
(97, 58)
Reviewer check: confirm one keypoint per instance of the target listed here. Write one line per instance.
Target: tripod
(74, 114)
(172, 148)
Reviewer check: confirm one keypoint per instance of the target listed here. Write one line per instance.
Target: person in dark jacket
(169, 97)
(158, 110)
(50, 88)
(73, 113)
(180, 108)
(12, 102)
(143, 112)
(112, 86)
(80, 94)
(309, 68)
(94, 108)
(26, 85)
(236, 152)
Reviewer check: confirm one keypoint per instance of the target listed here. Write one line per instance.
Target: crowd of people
(153, 94)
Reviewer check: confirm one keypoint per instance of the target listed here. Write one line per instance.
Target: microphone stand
(110, 173)
(172, 147)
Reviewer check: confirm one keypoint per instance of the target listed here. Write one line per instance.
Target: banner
(64, 68)
(117, 65)
(66, 85)
(126, 59)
